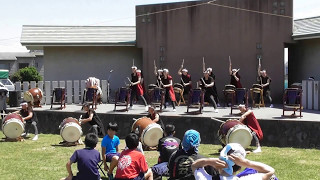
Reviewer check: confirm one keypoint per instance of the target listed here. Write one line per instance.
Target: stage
(278, 131)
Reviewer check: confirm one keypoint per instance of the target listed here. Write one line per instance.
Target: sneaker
(130, 107)
(35, 138)
(25, 134)
(271, 105)
(216, 111)
(146, 108)
(174, 110)
(110, 176)
(258, 150)
(218, 104)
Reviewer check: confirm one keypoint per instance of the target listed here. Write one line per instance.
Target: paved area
(263, 113)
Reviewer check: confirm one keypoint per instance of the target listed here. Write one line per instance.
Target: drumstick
(182, 62)
(80, 118)
(217, 120)
(182, 81)
(129, 79)
(203, 82)
(133, 62)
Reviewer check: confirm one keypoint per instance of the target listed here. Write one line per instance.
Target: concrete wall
(304, 61)
(216, 33)
(278, 133)
(79, 63)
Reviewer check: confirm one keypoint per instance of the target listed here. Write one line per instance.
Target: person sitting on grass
(87, 160)
(180, 161)
(110, 150)
(132, 163)
(232, 158)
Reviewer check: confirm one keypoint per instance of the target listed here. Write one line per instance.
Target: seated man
(93, 119)
(110, 149)
(167, 146)
(180, 162)
(132, 163)
(231, 159)
(87, 160)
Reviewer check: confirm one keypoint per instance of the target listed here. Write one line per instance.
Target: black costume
(216, 98)
(31, 122)
(186, 79)
(209, 92)
(96, 123)
(266, 89)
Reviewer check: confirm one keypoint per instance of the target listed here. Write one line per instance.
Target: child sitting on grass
(87, 160)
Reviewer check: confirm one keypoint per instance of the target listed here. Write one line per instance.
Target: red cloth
(135, 78)
(252, 122)
(131, 163)
(171, 91)
(234, 82)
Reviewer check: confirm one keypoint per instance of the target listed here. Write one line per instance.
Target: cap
(209, 69)
(138, 70)
(23, 103)
(134, 67)
(184, 70)
(165, 70)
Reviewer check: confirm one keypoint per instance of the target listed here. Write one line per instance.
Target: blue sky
(15, 13)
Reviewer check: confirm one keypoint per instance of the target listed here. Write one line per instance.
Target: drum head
(27, 96)
(71, 132)
(151, 135)
(239, 134)
(13, 128)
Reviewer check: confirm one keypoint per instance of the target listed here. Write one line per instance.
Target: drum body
(34, 96)
(70, 130)
(150, 132)
(151, 86)
(178, 86)
(13, 126)
(233, 131)
(229, 88)
(58, 94)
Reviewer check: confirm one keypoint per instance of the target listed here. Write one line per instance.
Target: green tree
(26, 74)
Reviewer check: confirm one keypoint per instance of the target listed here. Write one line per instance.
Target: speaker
(14, 98)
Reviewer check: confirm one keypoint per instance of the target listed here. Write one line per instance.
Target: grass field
(45, 159)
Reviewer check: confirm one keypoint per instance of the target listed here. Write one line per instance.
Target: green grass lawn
(45, 159)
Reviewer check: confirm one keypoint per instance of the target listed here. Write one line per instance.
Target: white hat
(209, 69)
(165, 70)
(206, 72)
(184, 70)
(138, 70)
(134, 67)
(238, 150)
(160, 70)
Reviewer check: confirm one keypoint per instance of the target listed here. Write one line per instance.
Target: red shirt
(131, 163)
(252, 122)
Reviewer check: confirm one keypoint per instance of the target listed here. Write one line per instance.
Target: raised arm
(259, 68)
(230, 66)
(266, 170)
(203, 64)
(179, 71)
(214, 162)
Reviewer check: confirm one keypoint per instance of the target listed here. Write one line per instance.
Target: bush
(26, 74)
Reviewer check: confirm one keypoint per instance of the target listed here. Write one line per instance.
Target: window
(259, 46)
(23, 65)
(275, 4)
(282, 4)
(282, 11)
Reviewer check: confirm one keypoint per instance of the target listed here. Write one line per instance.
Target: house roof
(12, 56)
(36, 37)
(308, 28)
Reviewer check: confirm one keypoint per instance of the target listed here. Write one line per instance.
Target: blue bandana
(191, 140)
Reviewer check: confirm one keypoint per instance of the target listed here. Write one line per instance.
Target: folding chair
(101, 169)
(228, 92)
(122, 98)
(58, 97)
(292, 100)
(239, 97)
(90, 97)
(257, 95)
(196, 99)
(156, 97)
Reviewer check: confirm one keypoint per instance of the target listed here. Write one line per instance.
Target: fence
(74, 89)
(311, 96)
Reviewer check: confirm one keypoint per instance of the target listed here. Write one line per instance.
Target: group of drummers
(206, 83)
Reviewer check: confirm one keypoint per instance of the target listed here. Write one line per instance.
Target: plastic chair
(292, 100)
(122, 98)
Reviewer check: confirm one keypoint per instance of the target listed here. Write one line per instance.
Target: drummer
(211, 74)
(185, 80)
(142, 80)
(30, 119)
(93, 119)
(264, 80)
(154, 116)
(166, 82)
(235, 77)
(207, 83)
(249, 119)
(136, 88)
(159, 74)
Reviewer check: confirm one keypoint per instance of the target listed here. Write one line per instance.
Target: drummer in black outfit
(29, 117)
(185, 80)
(154, 116)
(264, 80)
(93, 119)
(207, 84)
(216, 98)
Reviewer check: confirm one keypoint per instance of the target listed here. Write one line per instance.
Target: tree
(26, 74)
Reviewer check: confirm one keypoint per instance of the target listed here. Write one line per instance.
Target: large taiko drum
(229, 88)
(12, 126)
(70, 129)
(150, 132)
(233, 131)
(34, 96)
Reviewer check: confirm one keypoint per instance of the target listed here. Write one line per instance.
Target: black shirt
(167, 146)
(264, 80)
(180, 166)
(209, 90)
(95, 121)
(25, 113)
